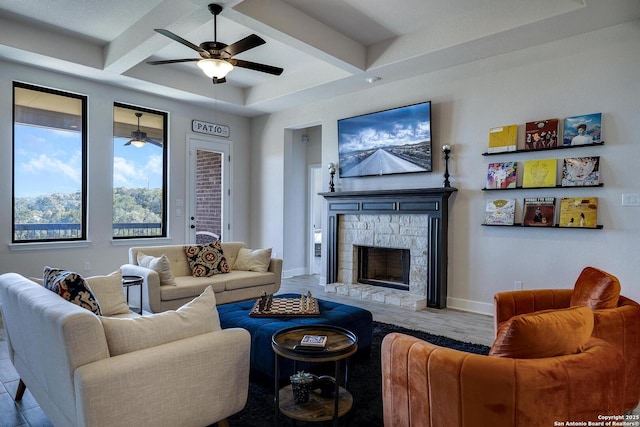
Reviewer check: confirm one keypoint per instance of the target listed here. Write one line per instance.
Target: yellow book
(503, 138)
(579, 212)
(539, 173)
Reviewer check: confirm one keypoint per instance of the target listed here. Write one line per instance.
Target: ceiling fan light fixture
(215, 68)
(138, 138)
(138, 143)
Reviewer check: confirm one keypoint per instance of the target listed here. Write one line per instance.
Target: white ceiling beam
(140, 41)
(41, 41)
(284, 23)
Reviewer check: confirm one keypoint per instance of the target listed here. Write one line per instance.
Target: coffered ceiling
(326, 47)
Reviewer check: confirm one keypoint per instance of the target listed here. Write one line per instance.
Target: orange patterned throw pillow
(207, 260)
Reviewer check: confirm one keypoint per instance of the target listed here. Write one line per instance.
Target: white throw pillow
(197, 317)
(161, 264)
(109, 293)
(253, 260)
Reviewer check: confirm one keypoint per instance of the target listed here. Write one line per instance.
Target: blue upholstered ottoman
(236, 315)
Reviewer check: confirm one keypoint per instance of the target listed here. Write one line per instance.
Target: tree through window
(49, 165)
(139, 172)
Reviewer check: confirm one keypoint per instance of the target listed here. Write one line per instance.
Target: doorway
(208, 189)
(315, 220)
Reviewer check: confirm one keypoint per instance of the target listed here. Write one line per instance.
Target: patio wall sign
(210, 128)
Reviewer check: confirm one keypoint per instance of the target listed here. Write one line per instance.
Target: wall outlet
(517, 285)
(87, 266)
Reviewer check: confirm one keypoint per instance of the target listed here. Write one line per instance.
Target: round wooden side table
(341, 344)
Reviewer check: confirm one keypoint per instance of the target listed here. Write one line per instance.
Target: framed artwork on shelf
(581, 130)
(503, 139)
(502, 175)
(500, 212)
(581, 171)
(539, 212)
(579, 212)
(541, 134)
(539, 173)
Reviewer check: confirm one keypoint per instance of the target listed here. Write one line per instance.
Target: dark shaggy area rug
(365, 384)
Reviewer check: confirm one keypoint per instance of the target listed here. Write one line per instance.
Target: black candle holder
(332, 172)
(446, 150)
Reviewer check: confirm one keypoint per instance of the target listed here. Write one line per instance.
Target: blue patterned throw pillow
(207, 260)
(72, 287)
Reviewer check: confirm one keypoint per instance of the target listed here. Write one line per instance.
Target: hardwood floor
(463, 326)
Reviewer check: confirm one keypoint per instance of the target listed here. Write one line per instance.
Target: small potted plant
(301, 385)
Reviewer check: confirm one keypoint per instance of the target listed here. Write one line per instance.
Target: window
(139, 172)
(49, 165)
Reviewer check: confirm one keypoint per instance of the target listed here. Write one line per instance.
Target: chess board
(303, 306)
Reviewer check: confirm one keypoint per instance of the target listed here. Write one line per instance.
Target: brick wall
(209, 191)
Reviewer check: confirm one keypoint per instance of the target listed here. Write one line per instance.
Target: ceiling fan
(139, 138)
(217, 58)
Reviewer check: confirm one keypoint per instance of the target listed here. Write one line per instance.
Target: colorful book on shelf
(502, 175)
(539, 212)
(581, 171)
(539, 173)
(503, 138)
(500, 212)
(579, 212)
(541, 134)
(581, 130)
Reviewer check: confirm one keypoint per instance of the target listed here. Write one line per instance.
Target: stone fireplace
(401, 234)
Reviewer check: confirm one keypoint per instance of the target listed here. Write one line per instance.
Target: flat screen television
(387, 142)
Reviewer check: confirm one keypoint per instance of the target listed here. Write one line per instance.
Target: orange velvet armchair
(616, 318)
(424, 385)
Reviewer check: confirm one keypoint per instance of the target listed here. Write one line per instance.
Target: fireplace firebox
(387, 267)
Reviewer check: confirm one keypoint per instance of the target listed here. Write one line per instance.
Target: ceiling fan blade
(245, 44)
(255, 66)
(151, 141)
(179, 39)
(173, 61)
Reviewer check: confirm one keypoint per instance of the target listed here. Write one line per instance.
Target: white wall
(595, 72)
(101, 253)
(298, 155)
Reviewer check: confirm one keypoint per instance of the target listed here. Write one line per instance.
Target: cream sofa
(170, 369)
(237, 285)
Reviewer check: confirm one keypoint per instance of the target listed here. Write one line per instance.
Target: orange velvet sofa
(616, 318)
(424, 385)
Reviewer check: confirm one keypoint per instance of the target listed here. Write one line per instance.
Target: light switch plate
(630, 199)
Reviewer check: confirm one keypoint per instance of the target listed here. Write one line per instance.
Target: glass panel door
(209, 190)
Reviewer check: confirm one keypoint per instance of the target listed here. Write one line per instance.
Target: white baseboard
(295, 272)
(471, 306)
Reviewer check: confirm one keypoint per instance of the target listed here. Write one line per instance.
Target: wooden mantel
(425, 201)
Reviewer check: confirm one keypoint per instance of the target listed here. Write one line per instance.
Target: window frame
(165, 171)
(84, 157)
